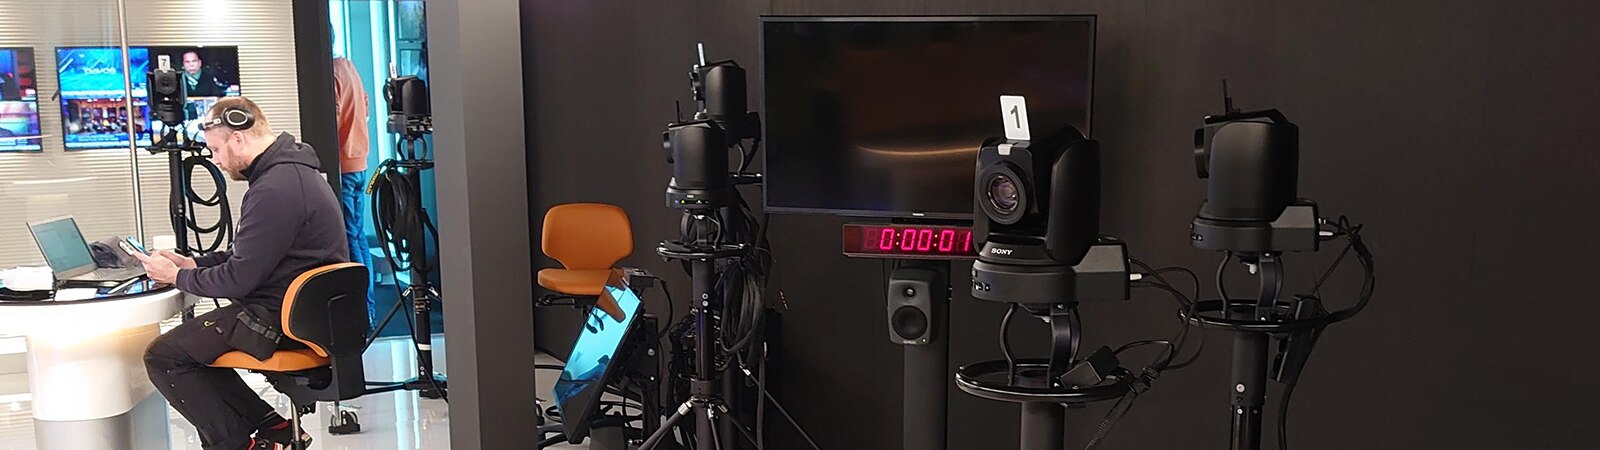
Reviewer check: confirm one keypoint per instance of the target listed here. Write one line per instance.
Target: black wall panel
(1459, 132)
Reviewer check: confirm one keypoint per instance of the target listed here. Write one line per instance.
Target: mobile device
(131, 245)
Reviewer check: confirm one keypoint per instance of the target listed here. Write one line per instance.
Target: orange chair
(326, 309)
(588, 239)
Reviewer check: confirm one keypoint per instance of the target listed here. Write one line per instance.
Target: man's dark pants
(222, 408)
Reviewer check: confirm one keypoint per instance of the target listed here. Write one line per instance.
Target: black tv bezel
(761, 64)
(38, 116)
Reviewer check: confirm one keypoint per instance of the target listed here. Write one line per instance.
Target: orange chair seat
(281, 361)
(574, 282)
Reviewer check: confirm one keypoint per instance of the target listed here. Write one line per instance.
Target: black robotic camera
(1250, 161)
(409, 111)
(698, 153)
(168, 94)
(1036, 224)
(698, 149)
(719, 94)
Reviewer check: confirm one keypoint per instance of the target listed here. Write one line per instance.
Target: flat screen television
(19, 101)
(209, 73)
(883, 116)
(93, 109)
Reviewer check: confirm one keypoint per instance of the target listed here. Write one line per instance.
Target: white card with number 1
(1014, 109)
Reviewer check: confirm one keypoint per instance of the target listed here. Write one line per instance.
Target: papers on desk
(38, 278)
(67, 295)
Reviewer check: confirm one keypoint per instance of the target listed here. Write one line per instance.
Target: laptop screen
(578, 391)
(62, 244)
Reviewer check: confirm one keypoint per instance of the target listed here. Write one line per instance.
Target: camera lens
(1003, 193)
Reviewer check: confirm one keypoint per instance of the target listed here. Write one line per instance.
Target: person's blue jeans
(354, 199)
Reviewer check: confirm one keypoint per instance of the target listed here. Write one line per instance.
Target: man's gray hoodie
(290, 223)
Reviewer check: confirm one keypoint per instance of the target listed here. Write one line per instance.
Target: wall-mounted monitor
(19, 101)
(93, 90)
(883, 116)
(208, 73)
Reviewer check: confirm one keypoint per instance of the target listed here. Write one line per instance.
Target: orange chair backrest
(293, 294)
(587, 236)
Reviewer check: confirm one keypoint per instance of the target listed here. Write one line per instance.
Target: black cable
(1137, 344)
(1005, 345)
(1283, 413)
(1117, 411)
(1222, 287)
(761, 402)
(219, 199)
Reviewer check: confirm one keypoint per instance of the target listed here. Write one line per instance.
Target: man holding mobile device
(289, 223)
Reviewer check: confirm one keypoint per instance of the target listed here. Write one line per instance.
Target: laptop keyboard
(111, 274)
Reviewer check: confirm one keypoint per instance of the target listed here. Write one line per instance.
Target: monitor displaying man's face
(191, 63)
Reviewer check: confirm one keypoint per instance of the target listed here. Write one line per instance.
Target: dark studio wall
(1459, 132)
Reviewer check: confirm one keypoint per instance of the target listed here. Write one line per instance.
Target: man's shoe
(282, 436)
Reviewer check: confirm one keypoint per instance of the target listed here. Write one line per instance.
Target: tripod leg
(705, 430)
(666, 427)
(386, 318)
(729, 418)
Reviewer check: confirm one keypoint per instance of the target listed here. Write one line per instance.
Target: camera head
(1250, 161)
(1038, 202)
(698, 153)
(409, 111)
(719, 93)
(168, 94)
(698, 149)
(1036, 223)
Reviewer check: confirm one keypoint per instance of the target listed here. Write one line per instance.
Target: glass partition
(68, 81)
(70, 73)
(381, 38)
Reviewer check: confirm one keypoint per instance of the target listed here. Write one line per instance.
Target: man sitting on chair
(289, 223)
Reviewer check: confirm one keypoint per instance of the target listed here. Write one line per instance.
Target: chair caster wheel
(306, 409)
(348, 423)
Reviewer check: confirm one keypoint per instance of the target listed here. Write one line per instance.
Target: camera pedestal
(1044, 388)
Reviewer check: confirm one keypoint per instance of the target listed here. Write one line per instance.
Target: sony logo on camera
(1001, 251)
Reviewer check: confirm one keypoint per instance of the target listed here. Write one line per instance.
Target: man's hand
(162, 268)
(183, 262)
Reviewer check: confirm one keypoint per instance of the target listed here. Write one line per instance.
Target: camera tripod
(183, 156)
(714, 424)
(404, 223)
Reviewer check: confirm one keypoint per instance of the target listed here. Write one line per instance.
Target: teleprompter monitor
(595, 354)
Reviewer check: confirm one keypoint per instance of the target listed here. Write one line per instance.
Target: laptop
(67, 253)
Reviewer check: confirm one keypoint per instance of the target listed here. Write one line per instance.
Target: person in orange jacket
(350, 100)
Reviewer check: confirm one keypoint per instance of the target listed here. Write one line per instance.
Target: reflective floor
(392, 421)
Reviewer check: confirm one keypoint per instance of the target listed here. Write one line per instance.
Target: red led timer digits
(922, 240)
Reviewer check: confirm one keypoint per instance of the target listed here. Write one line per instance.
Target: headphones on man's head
(236, 119)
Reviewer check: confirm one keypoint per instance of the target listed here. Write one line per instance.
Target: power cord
(1141, 382)
(219, 199)
(1342, 227)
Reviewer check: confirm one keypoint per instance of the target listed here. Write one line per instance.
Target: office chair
(326, 309)
(588, 239)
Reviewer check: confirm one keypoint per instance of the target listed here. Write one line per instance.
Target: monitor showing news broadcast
(19, 101)
(94, 90)
(208, 74)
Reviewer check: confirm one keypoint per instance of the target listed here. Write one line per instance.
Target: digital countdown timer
(908, 241)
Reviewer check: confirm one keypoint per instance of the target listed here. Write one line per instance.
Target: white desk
(86, 367)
